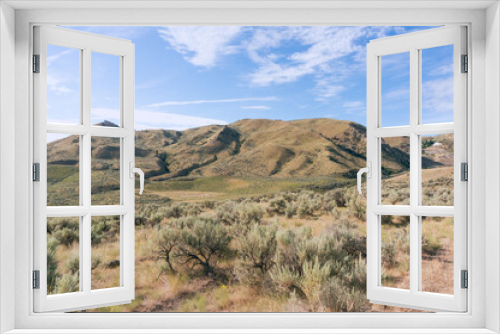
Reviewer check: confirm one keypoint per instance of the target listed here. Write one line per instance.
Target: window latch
(368, 171)
(134, 170)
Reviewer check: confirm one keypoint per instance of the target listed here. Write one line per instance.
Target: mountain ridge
(245, 148)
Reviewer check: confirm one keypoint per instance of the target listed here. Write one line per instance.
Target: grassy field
(226, 244)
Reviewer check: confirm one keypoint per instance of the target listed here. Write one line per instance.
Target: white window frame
(86, 44)
(484, 46)
(413, 43)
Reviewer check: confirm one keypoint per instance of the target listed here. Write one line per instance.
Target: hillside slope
(249, 147)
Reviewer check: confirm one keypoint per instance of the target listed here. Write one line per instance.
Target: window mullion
(86, 174)
(414, 171)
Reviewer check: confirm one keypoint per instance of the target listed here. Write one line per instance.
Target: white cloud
(54, 57)
(352, 107)
(148, 119)
(353, 104)
(437, 98)
(57, 85)
(396, 94)
(256, 107)
(323, 45)
(442, 70)
(201, 45)
(196, 102)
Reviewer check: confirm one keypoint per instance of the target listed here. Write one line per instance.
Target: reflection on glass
(437, 84)
(63, 176)
(105, 171)
(105, 93)
(395, 251)
(437, 254)
(105, 232)
(63, 85)
(395, 171)
(63, 255)
(395, 89)
(437, 170)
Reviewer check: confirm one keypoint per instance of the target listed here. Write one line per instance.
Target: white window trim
(484, 49)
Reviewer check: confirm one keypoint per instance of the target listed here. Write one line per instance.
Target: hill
(252, 148)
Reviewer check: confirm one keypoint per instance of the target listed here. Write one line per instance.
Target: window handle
(368, 171)
(134, 170)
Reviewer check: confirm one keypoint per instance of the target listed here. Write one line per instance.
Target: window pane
(105, 93)
(63, 172)
(105, 232)
(437, 254)
(437, 84)
(395, 171)
(105, 171)
(63, 85)
(395, 94)
(63, 255)
(437, 170)
(395, 252)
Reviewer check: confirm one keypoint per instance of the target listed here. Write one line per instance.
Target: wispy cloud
(149, 119)
(197, 102)
(442, 70)
(53, 58)
(256, 107)
(352, 107)
(321, 56)
(57, 85)
(437, 98)
(201, 45)
(146, 119)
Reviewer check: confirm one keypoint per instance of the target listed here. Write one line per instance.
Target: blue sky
(194, 76)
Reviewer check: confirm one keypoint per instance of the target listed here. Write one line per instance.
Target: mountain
(249, 147)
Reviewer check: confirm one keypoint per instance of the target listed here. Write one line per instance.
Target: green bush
(256, 252)
(202, 242)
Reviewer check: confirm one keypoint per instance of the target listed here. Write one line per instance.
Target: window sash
(413, 43)
(86, 298)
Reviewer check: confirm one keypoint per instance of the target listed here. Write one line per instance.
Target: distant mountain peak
(107, 123)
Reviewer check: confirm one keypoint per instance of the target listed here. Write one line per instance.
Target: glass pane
(395, 251)
(395, 94)
(395, 171)
(63, 85)
(105, 92)
(437, 170)
(63, 172)
(105, 171)
(437, 254)
(105, 236)
(437, 84)
(63, 255)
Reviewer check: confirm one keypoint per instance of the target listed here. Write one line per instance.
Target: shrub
(202, 243)
(249, 214)
(52, 265)
(73, 264)
(256, 252)
(278, 205)
(95, 261)
(174, 211)
(66, 236)
(68, 283)
(167, 239)
(290, 210)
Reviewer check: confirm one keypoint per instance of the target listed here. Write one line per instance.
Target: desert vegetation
(289, 236)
